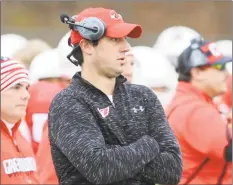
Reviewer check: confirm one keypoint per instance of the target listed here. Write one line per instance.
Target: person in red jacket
(128, 66)
(43, 158)
(204, 136)
(18, 165)
(45, 75)
(227, 97)
(227, 101)
(224, 102)
(42, 94)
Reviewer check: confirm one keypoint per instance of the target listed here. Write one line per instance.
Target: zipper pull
(16, 146)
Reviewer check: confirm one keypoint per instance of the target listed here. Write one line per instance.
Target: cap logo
(115, 15)
(214, 53)
(213, 49)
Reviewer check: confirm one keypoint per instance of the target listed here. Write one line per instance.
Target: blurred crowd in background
(33, 34)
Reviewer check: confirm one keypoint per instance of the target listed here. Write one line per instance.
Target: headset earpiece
(93, 28)
(90, 28)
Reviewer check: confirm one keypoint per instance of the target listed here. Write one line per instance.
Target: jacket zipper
(114, 92)
(15, 144)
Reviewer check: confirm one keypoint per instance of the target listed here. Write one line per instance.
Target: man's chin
(20, 115)
(114, 74)
(120, 71)
(118, 74)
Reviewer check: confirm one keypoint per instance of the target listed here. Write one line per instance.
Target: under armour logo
(140, 108)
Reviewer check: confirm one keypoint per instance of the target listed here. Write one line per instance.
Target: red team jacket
(201, 132)
(46, 175)
(18, 165)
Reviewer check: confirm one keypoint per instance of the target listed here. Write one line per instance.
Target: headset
(91, 28)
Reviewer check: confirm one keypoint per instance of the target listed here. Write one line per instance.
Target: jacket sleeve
(206, 131)
(166, 168)
(74, 131)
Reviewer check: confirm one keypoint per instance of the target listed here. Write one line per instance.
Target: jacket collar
(78, 80)
(14, 129)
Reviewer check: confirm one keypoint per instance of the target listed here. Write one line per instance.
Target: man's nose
(126, 46)
(25, 95)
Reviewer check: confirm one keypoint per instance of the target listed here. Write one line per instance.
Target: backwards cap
(116, 27)
(200, 53)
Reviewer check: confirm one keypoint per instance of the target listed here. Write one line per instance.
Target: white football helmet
(68, 68)
(45, 65)
(174, 40)
(11, 43)
(225, 47)
(153, 70)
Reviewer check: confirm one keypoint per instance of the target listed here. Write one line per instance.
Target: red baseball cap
(116, 27)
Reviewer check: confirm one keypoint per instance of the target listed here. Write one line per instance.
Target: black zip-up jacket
(127, 142)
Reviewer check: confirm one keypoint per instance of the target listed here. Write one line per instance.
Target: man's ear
(86, 46)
